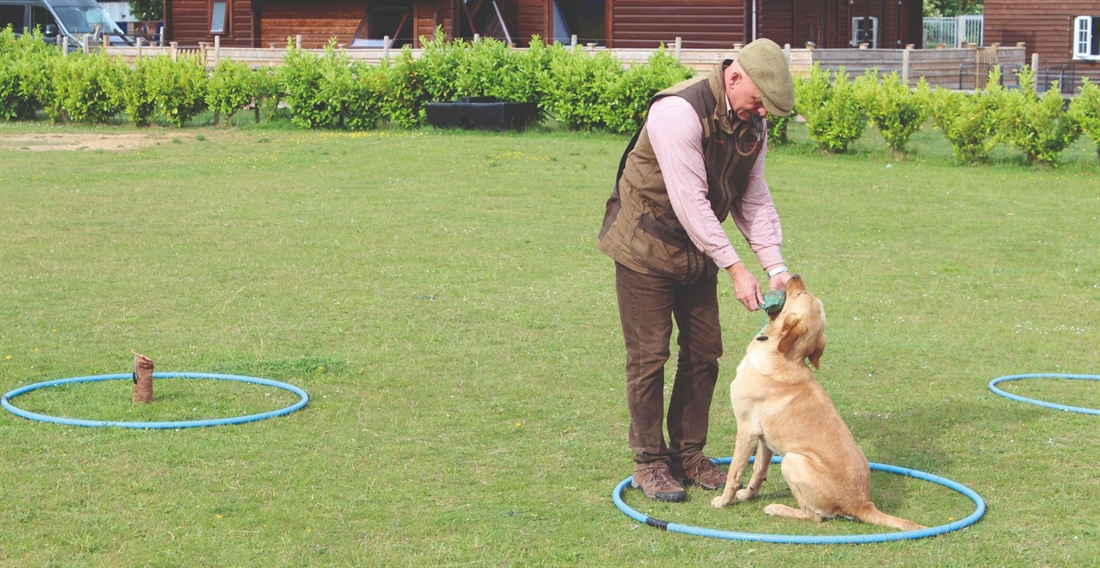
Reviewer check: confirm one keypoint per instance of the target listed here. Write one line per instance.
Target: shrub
(628, 100)
(24, 84)
(404, 95)
(137, 101)
(1085, 110)
(576, 86)
(177, 88)
(1037, 125)
(833, 114)
(365, 108)
(969, 121)
(230, 88)
(87, 88)
(892, 108)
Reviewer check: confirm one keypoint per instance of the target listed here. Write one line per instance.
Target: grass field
(440, 296)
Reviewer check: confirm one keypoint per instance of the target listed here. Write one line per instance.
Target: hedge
(578, 90)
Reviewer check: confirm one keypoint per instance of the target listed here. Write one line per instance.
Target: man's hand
(745, 286)
(779, 281)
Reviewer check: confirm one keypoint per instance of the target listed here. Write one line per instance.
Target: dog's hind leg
(799, 477)
(777, 510)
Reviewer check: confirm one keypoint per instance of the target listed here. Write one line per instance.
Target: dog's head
(801, 324)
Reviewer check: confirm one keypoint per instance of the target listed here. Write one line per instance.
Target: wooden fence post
(173, 50)
(386, 47)
(573, 42)
(679, 44)
(298, 41)
(1035, 72)
(137, 43)
(905, 65)
(217, 49)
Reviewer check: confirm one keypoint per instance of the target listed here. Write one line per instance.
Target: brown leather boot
(704, 474)
(657, 483)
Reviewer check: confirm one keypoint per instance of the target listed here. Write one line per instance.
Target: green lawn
(440, 297)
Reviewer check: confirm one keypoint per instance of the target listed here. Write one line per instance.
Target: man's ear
(792, 330)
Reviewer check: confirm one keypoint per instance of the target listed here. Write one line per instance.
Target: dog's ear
(815, 357)
(792, 329)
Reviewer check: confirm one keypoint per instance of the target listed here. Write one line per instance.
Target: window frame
(1085, 30)
(226, 19)
(873, 44)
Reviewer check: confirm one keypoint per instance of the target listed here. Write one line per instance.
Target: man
(698, 158)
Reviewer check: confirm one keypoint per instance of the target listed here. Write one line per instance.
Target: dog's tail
(871, 515)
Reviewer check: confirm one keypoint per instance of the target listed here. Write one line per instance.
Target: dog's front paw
(745, 494)
(719, 502)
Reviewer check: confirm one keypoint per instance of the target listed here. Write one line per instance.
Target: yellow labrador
(781, 409)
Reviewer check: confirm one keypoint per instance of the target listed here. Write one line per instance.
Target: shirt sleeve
(757, 218)
(677, 139)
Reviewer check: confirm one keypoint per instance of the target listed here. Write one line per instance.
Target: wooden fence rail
(963, 69)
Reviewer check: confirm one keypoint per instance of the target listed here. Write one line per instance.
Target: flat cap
(763, 61)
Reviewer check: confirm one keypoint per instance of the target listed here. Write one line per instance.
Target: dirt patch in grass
(73, 141)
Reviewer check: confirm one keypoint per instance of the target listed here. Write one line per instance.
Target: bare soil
(71, 141)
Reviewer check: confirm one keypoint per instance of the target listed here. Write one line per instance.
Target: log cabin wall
(699, 23)
(187, 22)
(1046, 28)
(264, 23)
(532, 18)
(828, 23)
(316, 22)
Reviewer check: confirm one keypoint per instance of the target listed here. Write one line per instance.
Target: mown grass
(440, 297)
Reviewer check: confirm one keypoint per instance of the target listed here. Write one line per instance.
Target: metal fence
(953, 32)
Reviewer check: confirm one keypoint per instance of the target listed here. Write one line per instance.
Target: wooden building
(703, 24)
(1064, 34)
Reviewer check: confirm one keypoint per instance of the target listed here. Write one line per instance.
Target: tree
(148, 10)
(951, 8)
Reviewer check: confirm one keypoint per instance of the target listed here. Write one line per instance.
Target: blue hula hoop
(4, 401)
(1018, 398)
(979, 510)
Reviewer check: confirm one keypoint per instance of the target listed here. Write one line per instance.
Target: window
(41, 17)
(12, 16)
(391, 20)
(218, 15)
(1086, 37)
(865, 30)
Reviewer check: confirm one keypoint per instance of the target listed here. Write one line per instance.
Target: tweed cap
(763, 61)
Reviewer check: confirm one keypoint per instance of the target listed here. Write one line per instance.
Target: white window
(217, 17)
(1086, 37)
(865, 30)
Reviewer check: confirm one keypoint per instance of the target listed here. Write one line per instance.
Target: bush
(230, 88)
(1085, 110)
(86, 88)
(892, 108)
(834, 117)
(176, 88)
(137, 101)
(1037, 125)
(575, 90)
(969, 121)
(24, 83)
(628, 100)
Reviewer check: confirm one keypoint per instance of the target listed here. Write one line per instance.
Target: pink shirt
(677, 138)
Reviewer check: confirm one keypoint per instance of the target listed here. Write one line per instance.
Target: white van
(75, 19)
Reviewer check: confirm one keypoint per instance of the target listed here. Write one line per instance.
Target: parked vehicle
(75, 19)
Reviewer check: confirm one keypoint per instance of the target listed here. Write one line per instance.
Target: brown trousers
(647, 305)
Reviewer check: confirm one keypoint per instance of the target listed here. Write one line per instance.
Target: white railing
(953, 32)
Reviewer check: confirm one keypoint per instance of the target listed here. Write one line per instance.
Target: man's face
(745, 97)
